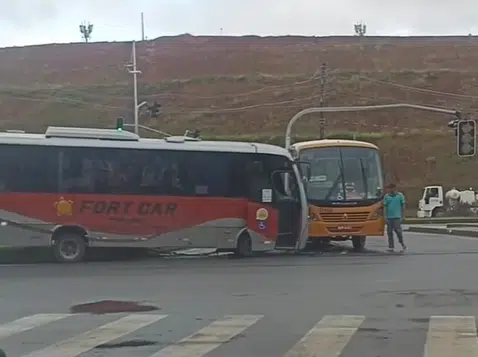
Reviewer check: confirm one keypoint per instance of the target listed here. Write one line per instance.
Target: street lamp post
(132, 69)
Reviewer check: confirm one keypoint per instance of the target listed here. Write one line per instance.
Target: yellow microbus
(345, 187)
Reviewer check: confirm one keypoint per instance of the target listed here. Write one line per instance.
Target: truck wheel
(69, 248)
(438, 212)
(244, 246)
(358, 243)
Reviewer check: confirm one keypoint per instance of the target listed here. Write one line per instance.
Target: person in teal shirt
(394, 212)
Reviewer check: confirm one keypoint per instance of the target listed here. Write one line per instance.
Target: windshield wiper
(334, 186)
(336, 182)
(364, 178)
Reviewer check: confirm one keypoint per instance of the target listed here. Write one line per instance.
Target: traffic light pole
(148, 129)
(288, 139)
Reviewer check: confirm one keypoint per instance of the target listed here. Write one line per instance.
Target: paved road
(351, 305)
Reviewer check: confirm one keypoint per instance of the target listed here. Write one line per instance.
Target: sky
(26, 22)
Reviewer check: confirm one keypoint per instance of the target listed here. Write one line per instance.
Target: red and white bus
(75, 188)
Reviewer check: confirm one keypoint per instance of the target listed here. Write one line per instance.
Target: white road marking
(210, 337)
(98, 336)
(28, 323)
(451, 336)
(328, 338)
(448, 237)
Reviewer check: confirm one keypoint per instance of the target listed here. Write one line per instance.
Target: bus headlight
(377, 214)
(313, 216)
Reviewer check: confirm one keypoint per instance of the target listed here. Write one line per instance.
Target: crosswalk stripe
(28, 323)
(210, 337)
(451, 336)
(98, 336)
(328, 337)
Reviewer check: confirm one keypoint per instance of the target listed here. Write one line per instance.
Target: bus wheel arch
(358, 243)
(69, 244)
(243, 245)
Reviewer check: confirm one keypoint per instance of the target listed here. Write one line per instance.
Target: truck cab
(432, 202)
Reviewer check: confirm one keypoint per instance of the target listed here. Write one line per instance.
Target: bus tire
(358, 243)
(69, 247)
(243, 246)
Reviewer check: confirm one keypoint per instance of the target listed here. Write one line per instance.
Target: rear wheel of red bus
(244, 246)
(69, 247)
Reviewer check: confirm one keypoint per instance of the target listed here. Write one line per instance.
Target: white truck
(436, 203)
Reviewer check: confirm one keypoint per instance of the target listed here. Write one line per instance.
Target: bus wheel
(69, 248)
(358, 243)
(244, 246)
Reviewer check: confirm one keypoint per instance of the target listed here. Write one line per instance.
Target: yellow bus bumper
(342, 223)
(343, 230)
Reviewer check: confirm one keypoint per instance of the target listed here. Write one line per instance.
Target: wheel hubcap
(69, 249)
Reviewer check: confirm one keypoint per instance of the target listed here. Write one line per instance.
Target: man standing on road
(394, 206)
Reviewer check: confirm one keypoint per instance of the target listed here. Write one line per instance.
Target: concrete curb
(446, 220)
(447, 231)
(455, 225)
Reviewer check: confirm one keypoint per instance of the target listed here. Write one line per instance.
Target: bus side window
(258, 178)
(278, 179)
(206, 173)
(25, 168)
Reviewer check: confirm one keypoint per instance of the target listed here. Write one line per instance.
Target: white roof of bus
(143, 143)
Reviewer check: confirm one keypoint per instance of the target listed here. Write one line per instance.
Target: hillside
(249, 85)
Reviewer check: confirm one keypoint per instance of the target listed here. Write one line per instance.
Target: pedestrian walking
(394, 212)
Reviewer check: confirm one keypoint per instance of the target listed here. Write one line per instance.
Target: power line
(303, 84)
(423, 90)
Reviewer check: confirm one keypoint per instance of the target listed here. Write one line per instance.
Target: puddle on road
(129, 343)
(111, 307)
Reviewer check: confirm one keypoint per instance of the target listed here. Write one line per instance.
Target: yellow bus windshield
(343, 174)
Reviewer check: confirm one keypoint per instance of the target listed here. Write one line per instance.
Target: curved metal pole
(355, 109)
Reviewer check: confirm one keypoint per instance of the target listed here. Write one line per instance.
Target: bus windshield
(345, 175)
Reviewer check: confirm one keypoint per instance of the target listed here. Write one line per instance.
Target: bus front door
(289, 207)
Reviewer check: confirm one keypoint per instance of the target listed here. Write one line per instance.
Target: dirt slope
(250, 85)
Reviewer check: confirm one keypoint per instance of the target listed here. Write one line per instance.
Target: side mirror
(293, 152)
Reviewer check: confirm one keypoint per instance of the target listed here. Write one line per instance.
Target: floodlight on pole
(86, 30)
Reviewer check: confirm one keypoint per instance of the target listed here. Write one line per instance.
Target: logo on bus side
(64, 207)
(262, 214)
(128, 208)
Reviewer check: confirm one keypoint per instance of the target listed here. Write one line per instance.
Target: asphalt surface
(394, 300)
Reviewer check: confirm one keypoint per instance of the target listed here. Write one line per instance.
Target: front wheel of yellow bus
(358, 243)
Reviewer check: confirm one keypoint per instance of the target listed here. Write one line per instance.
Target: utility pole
(323, 83)
(142, 26)
(132, 69)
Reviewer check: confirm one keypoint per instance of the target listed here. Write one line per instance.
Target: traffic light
(466, 138)
(155, 109)
(119, 123)
(196, 133)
